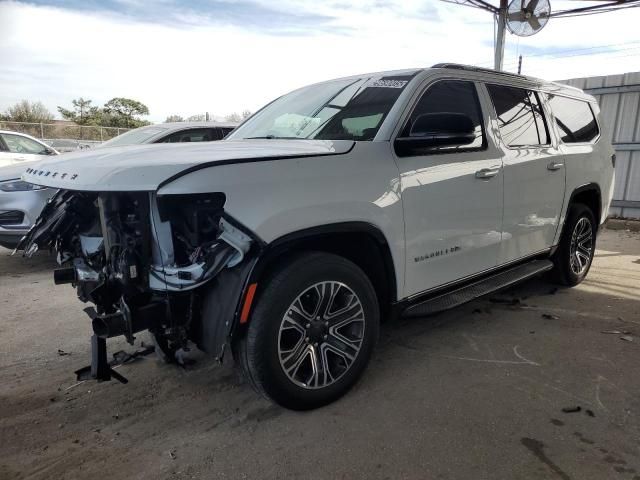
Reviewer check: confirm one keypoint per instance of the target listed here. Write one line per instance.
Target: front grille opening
(12, 217)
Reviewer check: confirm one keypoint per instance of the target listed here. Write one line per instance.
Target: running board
(498, 281)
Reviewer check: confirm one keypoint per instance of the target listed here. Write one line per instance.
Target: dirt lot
(474, 393)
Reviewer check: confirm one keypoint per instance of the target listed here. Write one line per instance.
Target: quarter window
(451, 96)
(520, 117)
(574, 118)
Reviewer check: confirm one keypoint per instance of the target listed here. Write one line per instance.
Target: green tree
(124, 112)
(174, 118)
(199, 117)
(246, 114)
(25, 111)
(82, 113)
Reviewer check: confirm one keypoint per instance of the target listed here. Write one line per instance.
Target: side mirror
(432, 130)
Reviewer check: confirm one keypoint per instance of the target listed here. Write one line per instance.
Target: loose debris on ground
(572, 409)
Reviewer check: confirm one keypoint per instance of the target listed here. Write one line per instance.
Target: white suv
(342, 203)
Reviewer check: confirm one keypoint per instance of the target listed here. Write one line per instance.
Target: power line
(574, 50)
(604, 53)
(499, 13)
(609, 6)
(538, 66)
(595, 13)
(481, 4)
(595, 9)
(554, 57)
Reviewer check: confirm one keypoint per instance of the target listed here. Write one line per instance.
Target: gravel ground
(474, 393)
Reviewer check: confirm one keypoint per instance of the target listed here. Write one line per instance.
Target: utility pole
(520, 65)
(502, 24)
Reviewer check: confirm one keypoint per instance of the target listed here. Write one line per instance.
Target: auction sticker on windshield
(389, 83)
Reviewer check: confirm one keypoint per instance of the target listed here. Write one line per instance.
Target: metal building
(619, 99)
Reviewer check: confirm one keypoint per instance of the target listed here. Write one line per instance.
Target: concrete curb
(621, 224)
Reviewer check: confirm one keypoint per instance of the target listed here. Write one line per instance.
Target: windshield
(134, 137)
(348, 109)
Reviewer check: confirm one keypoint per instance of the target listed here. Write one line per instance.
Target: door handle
(485, 173)
(554, 166)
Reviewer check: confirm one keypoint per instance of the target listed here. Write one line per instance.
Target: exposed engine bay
(147, 262)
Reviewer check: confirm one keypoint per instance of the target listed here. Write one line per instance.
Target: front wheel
(312, 332)
(573, 258)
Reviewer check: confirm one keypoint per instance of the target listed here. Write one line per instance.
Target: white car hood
(13, 171)
(146, 167)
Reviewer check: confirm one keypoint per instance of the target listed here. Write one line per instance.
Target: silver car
(21, 202)
(176, 132)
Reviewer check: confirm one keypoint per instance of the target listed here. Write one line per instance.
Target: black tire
(260, 351)
(566, 271)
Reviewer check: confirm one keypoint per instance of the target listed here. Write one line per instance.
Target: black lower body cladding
(175, 265)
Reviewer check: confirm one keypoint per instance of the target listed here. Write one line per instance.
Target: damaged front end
(148, 262)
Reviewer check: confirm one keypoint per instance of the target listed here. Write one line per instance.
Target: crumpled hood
(146, 167)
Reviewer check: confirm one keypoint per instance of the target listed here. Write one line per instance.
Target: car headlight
(19, 186)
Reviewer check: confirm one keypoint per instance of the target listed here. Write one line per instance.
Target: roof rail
(471, 68)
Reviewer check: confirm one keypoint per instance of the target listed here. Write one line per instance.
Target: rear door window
(520, 116)
(575, 119)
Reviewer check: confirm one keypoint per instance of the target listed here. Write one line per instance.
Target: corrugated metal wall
(619, 99)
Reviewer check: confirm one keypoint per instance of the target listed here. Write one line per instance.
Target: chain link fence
(65, 136)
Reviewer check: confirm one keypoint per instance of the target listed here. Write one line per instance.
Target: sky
(224, 56)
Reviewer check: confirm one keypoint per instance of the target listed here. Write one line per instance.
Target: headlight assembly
(19, 186)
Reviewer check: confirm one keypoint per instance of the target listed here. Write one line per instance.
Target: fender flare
(591, 186)
(585, 188)
(280, 245)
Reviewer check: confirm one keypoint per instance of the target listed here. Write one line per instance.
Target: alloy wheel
(321, 334)
(581, 248)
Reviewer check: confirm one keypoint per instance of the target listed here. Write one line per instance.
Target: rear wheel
(312, 331)
(573, 258)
